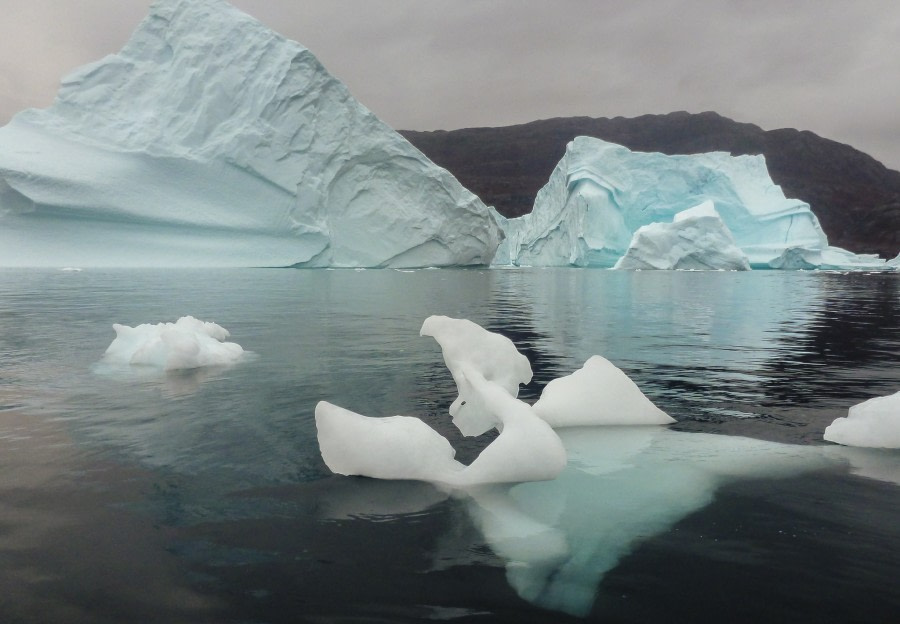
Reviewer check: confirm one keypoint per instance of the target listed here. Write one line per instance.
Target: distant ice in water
(186, 344)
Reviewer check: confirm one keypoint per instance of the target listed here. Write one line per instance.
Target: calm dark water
(201, 497)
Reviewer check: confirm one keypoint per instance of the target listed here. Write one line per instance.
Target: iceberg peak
(210, 140)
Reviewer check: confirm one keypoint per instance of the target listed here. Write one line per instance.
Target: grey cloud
(829, 66)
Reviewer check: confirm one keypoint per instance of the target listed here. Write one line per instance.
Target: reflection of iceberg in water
(622, 485)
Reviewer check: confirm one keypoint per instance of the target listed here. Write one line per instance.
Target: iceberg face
(697, 239)
(209, 140)
(601, 194)
(874, 423)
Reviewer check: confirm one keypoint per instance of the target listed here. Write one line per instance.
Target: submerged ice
(209, 140)
(601, 195)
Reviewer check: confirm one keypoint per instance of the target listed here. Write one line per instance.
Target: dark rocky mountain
(856, 198)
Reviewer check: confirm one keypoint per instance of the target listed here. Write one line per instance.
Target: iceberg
(186, 344)
(697, 239)
(600, 194)
(874, 424)
(210, 140)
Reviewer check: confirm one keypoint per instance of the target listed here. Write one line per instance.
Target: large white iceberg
(601, 193)
(874, 423)
(697, 239)
(210, 140)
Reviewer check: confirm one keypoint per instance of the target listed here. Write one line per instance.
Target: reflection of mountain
(846, 351)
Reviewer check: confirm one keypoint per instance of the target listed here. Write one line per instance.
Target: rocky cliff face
(856, 198)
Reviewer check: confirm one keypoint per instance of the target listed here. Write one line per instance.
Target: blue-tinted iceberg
(210, 140)
(697, 239)
(601, 193)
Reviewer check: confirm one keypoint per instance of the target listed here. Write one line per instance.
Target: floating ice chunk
(696, 239)
(874, 423)
(527, 448)
(622, 486)
(187, 343)
(210, 140)
(597, 394)
(403, 447)
(495, 357)
(396, 447)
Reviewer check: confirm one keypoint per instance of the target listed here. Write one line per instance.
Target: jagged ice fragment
(185, 344)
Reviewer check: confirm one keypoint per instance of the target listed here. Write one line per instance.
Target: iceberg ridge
(210, 140)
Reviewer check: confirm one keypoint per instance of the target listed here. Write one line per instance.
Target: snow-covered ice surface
(210, 140)
(697, 239)
(874, 423)
(468, 346)
(487, 370)
(601, 193)
(599, 393)
(186, 344)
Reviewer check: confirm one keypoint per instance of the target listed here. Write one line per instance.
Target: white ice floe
(487, 370)
(599, 393)
(465, 344)
(874, 423)
(185, 344)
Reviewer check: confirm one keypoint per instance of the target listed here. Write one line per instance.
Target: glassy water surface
(130, 496)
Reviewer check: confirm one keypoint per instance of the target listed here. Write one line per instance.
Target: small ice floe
(599, 393)
(874, 423)
(488, 370)
(70, 270)
(186, 344)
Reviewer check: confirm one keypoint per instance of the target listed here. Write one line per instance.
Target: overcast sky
(830, 66)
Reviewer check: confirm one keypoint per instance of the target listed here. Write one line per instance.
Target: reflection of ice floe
(874, 423)
(185, 344)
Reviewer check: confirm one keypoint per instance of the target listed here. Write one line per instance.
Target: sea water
(131, 495)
